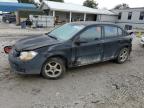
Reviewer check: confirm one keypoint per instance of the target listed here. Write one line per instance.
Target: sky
(109, 4)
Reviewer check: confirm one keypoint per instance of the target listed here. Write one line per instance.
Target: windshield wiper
(53, 37)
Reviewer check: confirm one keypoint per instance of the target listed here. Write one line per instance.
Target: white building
(66, 12)
(131, 18)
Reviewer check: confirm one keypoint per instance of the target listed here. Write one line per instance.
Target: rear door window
(110, 31)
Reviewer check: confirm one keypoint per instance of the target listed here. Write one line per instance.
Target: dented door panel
(89, 53)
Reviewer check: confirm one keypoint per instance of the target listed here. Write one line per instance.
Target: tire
(123, 55)
(54, 68)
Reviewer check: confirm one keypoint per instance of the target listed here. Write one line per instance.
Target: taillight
(7, 49)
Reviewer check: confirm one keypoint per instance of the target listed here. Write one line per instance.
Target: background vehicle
(142, 40)
(71, 45)
(9, 17)
(0, 17)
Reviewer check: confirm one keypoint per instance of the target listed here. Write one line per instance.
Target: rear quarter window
(120, 32)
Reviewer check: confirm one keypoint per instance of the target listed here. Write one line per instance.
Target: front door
(90, 48)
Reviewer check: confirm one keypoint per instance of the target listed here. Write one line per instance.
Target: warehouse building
(61, 12)
(66, 12)
(131, 18)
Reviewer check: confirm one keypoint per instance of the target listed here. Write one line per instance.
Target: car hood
(34, 42)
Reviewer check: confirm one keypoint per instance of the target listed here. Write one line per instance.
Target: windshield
(66, 31)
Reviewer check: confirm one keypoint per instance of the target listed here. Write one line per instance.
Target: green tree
(122, 6)
(25, 1)
(57, 0)
(91, 4)
(31, 1)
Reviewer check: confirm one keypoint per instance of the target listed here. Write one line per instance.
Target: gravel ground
(102, 85)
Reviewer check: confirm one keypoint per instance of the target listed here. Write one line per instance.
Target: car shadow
(91, 65)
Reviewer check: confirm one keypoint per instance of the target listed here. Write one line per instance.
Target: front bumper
(30, 67)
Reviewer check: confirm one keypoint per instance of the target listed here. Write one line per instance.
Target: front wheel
(54, 68)
(123, 55)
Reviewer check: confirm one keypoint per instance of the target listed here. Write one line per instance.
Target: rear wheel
(54, 68)
(123, 55)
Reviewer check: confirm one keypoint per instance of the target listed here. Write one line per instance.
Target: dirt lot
(103, 85)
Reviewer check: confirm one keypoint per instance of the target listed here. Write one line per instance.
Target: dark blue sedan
(71, 45)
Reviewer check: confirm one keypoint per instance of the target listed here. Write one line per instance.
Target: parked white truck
(142, 40)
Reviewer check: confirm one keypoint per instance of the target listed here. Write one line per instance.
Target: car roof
(89, 23)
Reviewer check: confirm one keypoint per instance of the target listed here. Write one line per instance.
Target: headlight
(26, 56)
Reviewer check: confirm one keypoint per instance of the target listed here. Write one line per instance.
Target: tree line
(87, 3)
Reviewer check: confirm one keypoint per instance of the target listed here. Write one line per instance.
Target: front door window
(91, 34)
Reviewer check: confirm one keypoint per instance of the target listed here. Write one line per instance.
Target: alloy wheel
(53, 69)
(123, 55)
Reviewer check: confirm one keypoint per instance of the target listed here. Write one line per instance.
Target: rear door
(90, 49)
(112, 36)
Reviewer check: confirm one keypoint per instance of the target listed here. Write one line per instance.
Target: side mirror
(46, 33)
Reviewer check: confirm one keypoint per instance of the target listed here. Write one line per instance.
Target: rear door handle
(99, 44)
(120, 41)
